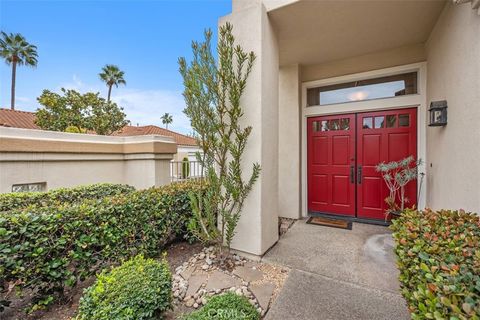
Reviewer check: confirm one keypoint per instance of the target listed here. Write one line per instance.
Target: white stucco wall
(258, 227)
(76, 163)
(453, 152)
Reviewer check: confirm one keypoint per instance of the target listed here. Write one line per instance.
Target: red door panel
(382, 137)
(331, 160)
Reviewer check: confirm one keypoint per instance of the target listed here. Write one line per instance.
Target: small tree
(185, 168)
(84, 111)
(397, 174)
(212, 96)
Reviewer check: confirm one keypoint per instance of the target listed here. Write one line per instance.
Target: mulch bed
(177, 254)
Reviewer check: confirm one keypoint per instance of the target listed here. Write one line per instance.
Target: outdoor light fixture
(438, 113)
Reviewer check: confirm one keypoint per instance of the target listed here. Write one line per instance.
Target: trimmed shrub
(439, 260)
(138, 289)
(227, 306)
(48, 248)
(19, 200)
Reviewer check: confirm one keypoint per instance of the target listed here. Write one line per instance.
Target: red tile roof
(180, 139)
(26, 120)
(17, 119)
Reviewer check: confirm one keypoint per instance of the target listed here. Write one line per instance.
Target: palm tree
(167, 119)
(17, 51)
(112, 76)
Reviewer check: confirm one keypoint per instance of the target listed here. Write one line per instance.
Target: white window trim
(418, 100)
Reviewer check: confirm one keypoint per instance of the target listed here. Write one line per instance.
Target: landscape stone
(187, 272)
(248, 274)
(263, 292)
(195, 282)
(220, 280)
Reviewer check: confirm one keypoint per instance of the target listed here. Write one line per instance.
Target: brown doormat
(329, 222)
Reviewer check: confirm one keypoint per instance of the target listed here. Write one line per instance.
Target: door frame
(418, 101)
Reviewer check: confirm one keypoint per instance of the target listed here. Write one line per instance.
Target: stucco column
(258, 227)
(289, 142)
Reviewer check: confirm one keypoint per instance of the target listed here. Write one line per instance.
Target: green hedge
(139, 289)
(439, 260)
(48, 248)
(19, 200)
(227, 306)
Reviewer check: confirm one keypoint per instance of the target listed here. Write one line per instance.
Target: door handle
(359, 175)
(352, 174)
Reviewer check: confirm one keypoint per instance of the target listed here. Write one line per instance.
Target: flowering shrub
(439, 260)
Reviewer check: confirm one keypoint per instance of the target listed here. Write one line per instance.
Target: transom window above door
(369, 89)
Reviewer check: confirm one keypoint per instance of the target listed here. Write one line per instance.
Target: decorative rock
(195, 305)
(208, 261)
(238, 291)
(203, 301)
(189, 303)
(217, 291)
(205, 267)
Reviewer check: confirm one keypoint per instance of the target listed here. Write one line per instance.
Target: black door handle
(359, 175)
(352, 174)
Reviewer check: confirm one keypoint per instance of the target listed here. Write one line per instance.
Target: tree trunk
(109, 93)
(14, 75)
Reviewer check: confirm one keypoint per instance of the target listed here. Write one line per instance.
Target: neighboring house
(340, 86)
(186, 146)
(17, 119)
(35, 159)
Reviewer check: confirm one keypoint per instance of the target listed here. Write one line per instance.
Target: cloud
(144, 107)
(147, 106)
(22, 99)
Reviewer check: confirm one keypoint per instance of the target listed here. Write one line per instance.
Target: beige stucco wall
(453, 152)
(257, 229)
(373, 61)
(289, 181)
(67, 160)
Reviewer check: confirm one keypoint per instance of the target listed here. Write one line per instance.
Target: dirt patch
(177, 254)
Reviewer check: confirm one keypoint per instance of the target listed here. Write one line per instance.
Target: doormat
(328, 222)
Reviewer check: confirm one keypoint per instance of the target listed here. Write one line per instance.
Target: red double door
(343, 151)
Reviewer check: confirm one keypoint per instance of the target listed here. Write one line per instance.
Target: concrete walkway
(337, 274)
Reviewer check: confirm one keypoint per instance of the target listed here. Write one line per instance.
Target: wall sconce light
(438, 113)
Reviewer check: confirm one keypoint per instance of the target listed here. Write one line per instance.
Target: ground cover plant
(138, 289)
(229, 306)
(46, 249)
(439, 260)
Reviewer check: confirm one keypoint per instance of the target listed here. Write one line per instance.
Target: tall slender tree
(15, 49)
(167, 119)
(112, 76)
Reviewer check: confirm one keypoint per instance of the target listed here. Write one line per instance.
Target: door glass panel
(391, 121)
(379, 122)
(367, 123)
(403, 120)
(316, 126)
(334, 124)
(324, 125)
(345, 124)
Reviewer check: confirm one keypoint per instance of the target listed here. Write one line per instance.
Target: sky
(76, 38)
